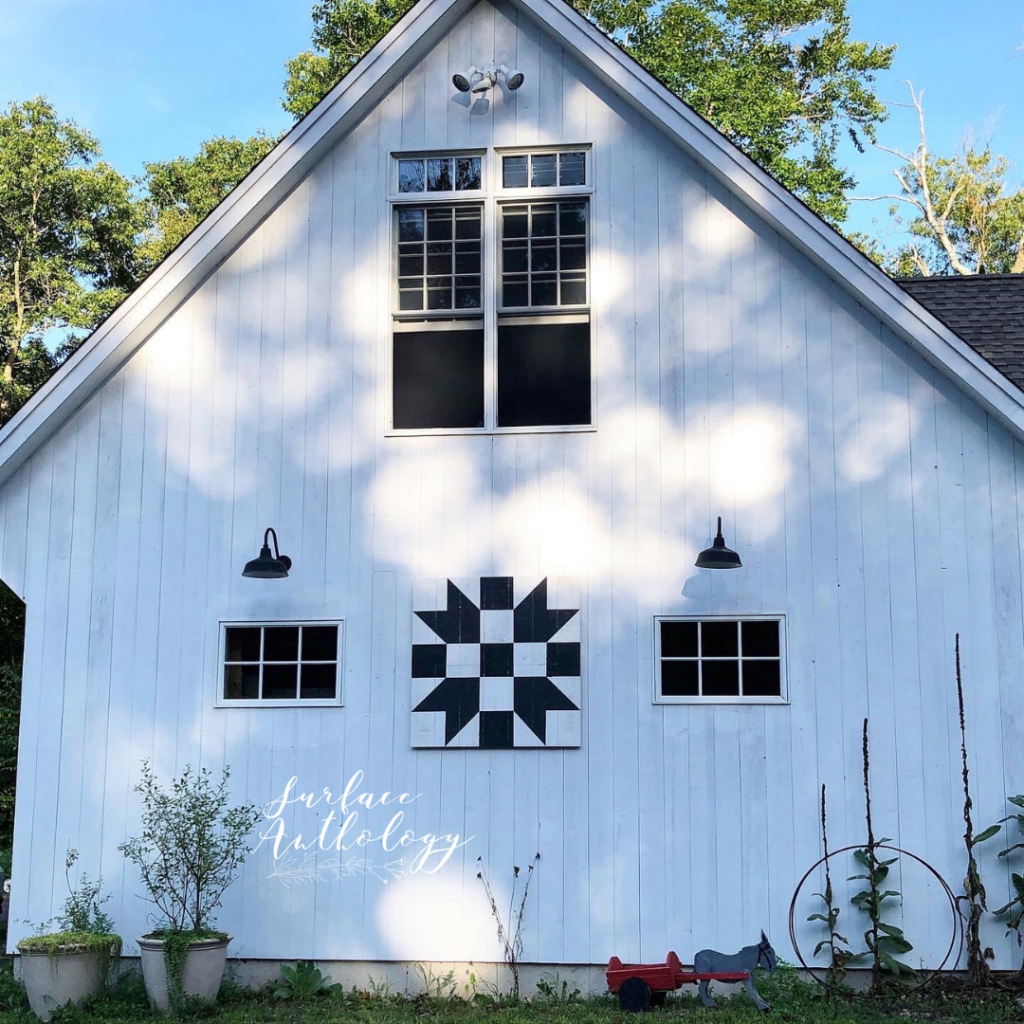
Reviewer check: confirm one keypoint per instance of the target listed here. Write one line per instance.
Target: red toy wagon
(640, 985)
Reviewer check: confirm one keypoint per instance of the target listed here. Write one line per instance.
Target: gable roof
(270, 182)
(986, 310)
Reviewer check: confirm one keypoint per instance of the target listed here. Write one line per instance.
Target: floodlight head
(514, 78)
(464, 82)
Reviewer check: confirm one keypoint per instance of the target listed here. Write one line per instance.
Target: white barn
(501, 358)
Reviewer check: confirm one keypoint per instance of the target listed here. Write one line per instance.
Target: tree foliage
(780, 78)
(966, 215)
(68, 228)
(343, 30)
(181, 192)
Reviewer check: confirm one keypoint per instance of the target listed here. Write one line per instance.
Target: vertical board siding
(873, 504)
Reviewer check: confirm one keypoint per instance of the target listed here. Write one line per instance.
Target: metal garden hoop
(954, 912)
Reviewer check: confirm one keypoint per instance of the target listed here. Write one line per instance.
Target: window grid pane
(439, 258)
(277, 674)
(544, 170)
(544, 249)
(765, 670)
(440, 174)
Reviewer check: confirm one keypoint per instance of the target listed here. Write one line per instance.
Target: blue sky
(153, 78)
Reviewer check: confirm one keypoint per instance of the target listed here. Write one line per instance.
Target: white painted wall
(872, 502)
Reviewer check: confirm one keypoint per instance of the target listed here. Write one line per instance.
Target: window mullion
(263, 633)
(489, 244)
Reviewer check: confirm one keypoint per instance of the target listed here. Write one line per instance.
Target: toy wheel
(634, 995)
(658, 998)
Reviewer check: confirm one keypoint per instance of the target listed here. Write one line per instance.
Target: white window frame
(491, 195)
(290, 702)
(783, 697)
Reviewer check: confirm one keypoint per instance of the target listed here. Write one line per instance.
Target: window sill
(487, 431)
(723, 701)
(318, 703)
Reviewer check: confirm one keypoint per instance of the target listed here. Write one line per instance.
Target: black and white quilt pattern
(496, 662)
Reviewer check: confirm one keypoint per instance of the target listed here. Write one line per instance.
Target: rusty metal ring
(954, 911)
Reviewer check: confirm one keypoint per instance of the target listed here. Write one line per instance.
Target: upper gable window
(544, 170)
(417, 175)
(481, 349)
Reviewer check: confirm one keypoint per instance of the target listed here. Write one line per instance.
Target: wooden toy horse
(709, 961)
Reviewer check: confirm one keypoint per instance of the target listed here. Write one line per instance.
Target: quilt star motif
(496, 662)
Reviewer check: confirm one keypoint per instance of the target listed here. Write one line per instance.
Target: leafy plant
(439, 987)
(557, 991)
(191, 845)
(82, 911)
(510, 935)
(189, 852)
(1013, 912)
(839, 955)
(83, 925)
(302, 982)
(885, 941)
(379, 989)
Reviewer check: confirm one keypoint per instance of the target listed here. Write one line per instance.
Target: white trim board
(270, 182)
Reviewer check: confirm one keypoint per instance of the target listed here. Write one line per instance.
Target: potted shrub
(189, 852)
(72, 964)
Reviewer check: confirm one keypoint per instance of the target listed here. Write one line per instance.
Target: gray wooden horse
(709, 961)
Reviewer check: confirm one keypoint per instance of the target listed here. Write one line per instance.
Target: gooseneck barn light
(718, 556)
(268, 566)
(475, 79)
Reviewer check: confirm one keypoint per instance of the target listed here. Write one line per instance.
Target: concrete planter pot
(201, 973)
(54, 979)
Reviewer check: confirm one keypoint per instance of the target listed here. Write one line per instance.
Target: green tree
(181, 192)
(343, 30)
(780, 78)
(68, 227)
(966, 216)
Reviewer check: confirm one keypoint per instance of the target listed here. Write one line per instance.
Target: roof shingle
(986, 310)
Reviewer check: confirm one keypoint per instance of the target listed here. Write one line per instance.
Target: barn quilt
(496, 662)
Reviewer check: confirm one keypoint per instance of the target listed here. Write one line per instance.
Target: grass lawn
(794, 1001)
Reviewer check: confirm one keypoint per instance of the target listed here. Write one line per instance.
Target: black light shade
(268, 566)
(718, 556)
(514, 79)
(461, 82)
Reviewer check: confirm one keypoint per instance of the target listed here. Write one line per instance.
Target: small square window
(720, 660)
(281, 662)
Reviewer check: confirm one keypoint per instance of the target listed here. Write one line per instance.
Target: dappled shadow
(733, 379)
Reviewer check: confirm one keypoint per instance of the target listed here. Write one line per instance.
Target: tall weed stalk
(510, 925)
